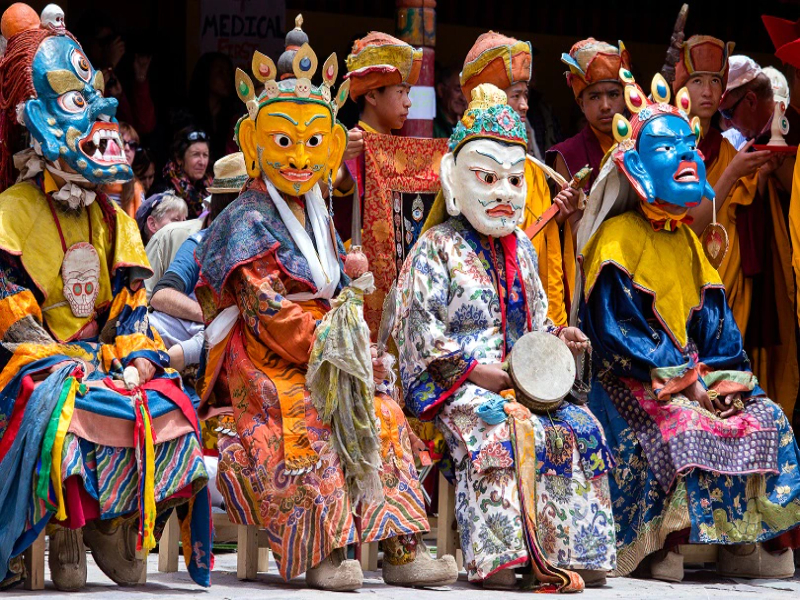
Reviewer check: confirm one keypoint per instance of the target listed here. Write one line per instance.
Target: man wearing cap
(381, 70)
(594, 78)
(785, 36)
(176, 313)
(506, 63)
(762, 287)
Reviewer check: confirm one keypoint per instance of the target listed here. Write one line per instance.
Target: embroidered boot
(752, 561)
(592, 578)
(666, 565)
(407, 562)
(67, 559)
(113, 546)
(335, 574)
(501, 580)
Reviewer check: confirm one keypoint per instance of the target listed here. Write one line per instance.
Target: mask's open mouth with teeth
(103, 144)
(686, 172)
(297, 175)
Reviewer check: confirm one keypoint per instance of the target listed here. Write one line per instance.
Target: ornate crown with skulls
(297, 88)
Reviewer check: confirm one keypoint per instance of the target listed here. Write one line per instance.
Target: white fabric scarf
(324, 261)
(218, 330)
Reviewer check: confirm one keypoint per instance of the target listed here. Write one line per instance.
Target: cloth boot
(113, 546)
(407, 562)
(752, 561)
(67, 559)
(336, 574)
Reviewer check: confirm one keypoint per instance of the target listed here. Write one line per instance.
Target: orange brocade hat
(590, 62)
(702, 54)
(379, 60)
(496, 59)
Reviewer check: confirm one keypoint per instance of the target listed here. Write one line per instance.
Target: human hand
(490, 377)
(113, 86)
(116, 50)
(379, 371)
(575, 340)
(727, 406)
(773, 164)
(567, 201)
(146, 369)
(141, 65)
(697, 393)
(746, 163)
(177, 360)
(355, 144)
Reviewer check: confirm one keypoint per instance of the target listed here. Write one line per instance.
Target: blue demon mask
(666, 163)
(70, 118)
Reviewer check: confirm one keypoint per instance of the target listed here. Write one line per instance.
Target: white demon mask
(80, 273)
(486, 183)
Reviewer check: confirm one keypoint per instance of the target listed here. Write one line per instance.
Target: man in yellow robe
(749, 209)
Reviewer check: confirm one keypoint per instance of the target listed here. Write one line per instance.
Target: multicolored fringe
(144, 443)
(552, 578)
(53, 446)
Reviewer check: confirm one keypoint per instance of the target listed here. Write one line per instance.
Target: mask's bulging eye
(72, 102)
(284, 141)
(314, 141)
(486, 177)
(81, 65)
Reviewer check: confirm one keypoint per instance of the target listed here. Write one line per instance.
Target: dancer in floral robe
(466, 297)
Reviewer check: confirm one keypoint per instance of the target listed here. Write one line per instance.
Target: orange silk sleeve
(285, 327)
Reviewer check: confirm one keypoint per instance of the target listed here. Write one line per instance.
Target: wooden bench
(252, 553)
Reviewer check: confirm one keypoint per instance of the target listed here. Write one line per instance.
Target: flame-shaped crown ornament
(643, 109)
(295, 85)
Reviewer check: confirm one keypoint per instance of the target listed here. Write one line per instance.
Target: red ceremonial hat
(785, 36)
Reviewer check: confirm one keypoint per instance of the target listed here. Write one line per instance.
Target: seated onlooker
(176, 313)
(158, 211)
(163, 246)
(131, 194)
(185, 174)
(144, 167)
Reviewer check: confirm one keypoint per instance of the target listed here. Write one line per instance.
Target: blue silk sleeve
(716, 335)
(625, 334)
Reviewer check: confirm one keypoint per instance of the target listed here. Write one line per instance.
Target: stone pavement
(161, 586)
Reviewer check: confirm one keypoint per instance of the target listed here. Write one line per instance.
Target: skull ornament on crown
(48, 86)
(483, 175)
(290, 134)
(80, 273)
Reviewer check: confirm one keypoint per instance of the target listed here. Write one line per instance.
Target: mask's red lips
(501, 210)
(296, 175)
(686, 172)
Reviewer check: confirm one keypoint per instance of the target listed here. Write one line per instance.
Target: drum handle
(583, 378)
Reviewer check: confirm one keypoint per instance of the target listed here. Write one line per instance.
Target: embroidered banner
(401, 180)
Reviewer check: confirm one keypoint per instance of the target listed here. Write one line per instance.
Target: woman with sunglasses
(185, 174)
(755, 283)
(131, 194)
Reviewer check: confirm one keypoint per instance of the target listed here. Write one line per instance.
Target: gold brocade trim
(653, 535)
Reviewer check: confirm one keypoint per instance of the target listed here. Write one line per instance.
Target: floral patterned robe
(451, 318)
